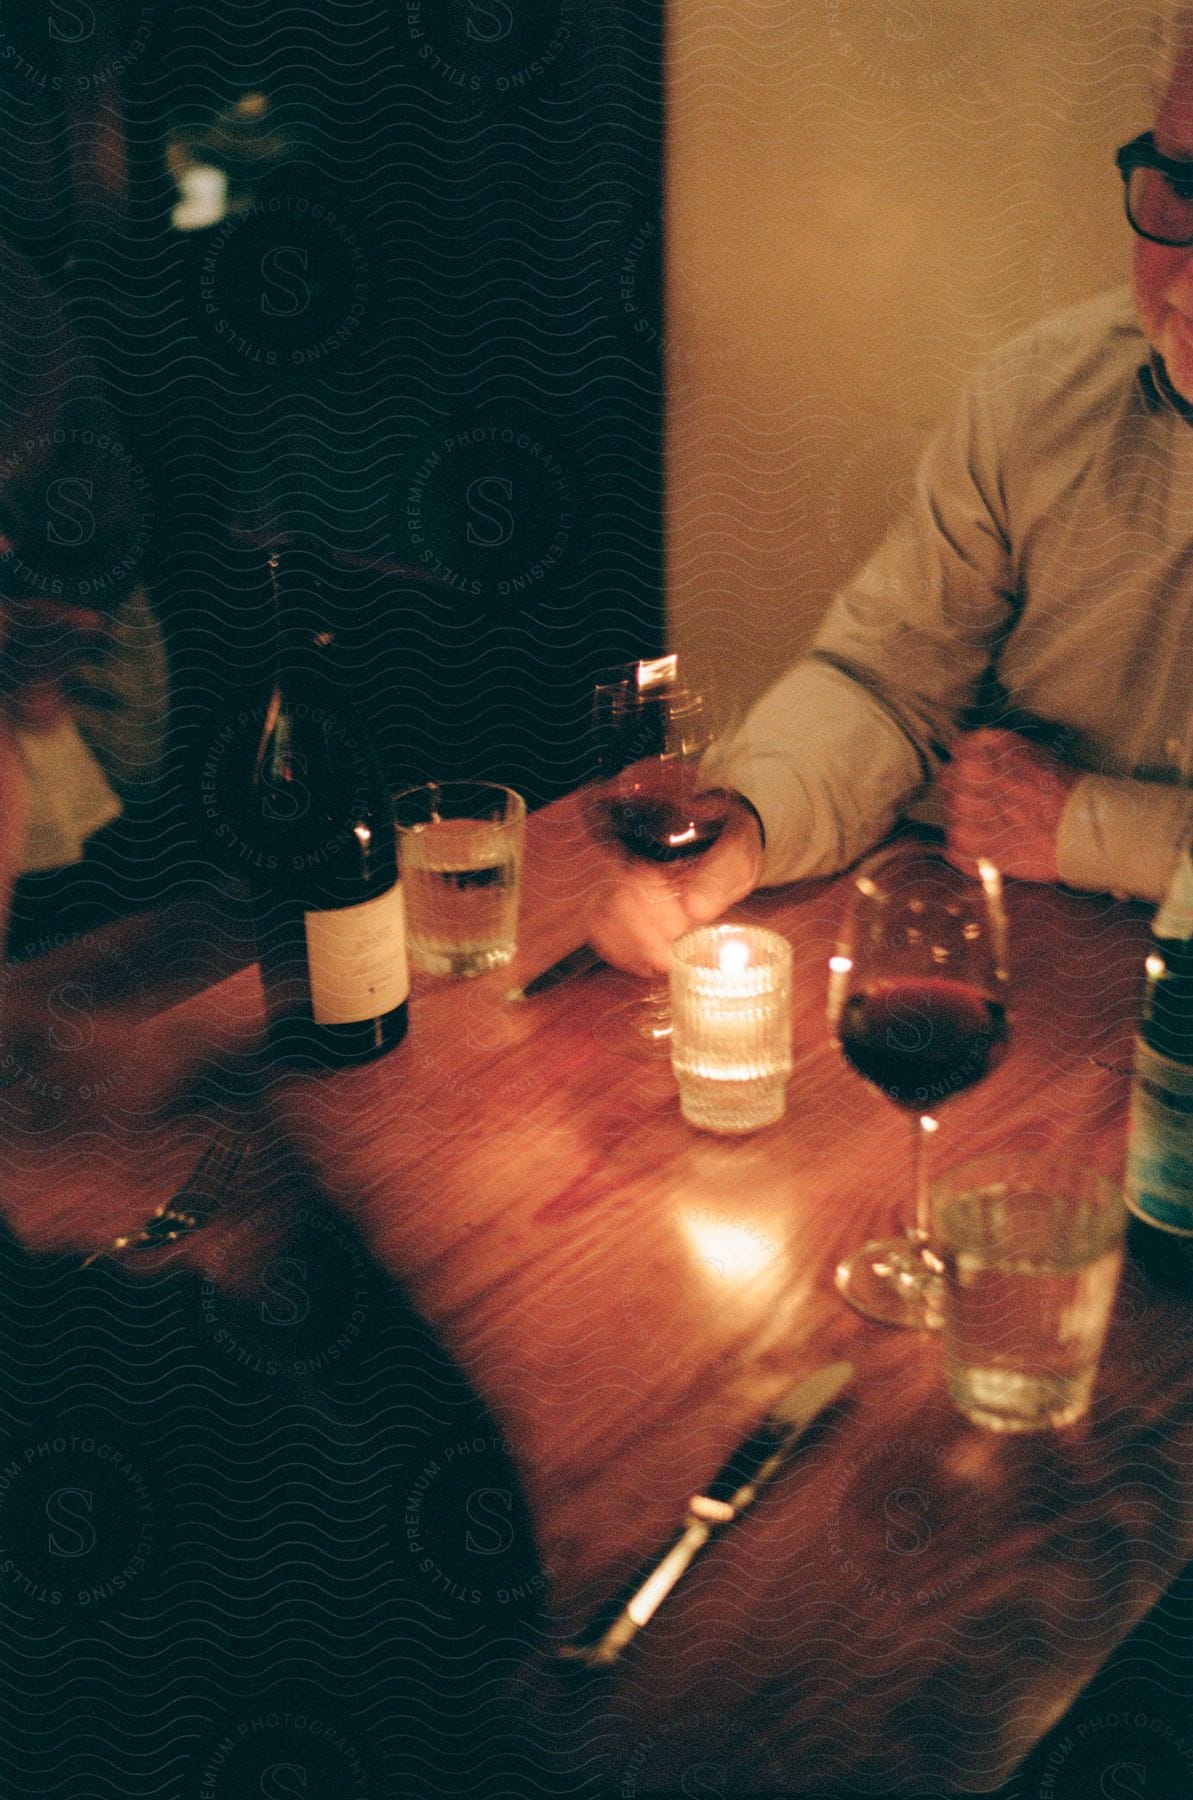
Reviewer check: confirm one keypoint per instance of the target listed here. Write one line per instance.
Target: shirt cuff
(1119, 836)
(778, 800)
(744, 800)
(69, 800)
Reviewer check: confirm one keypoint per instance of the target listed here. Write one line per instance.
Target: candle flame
(733, 956)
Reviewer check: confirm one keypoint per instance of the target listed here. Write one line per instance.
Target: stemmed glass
(917, 1003)
(647, 806)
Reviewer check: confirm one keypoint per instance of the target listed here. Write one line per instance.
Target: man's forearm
(1122, 836)
(825, 767)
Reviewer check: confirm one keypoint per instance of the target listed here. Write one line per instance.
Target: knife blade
(755, 1462)
(580, 961)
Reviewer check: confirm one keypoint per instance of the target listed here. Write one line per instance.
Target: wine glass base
(639, 1028)
(894, 1282)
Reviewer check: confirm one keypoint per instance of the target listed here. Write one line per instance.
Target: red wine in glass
(917, 1005)
(648, 805)
(922, 1039)
(666, 819)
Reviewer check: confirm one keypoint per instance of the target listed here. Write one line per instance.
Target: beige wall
(863, 196)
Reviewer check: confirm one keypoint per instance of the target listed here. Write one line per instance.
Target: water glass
(731, 1029)
(460, 853)
(1033, 1248)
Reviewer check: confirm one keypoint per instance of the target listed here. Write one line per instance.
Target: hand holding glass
(648, 805)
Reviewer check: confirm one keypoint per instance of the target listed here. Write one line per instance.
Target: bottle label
(1174, 919)
(357, 960)
(1159, 1179)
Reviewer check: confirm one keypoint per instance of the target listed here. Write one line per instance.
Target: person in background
(73, 532)
(37, 639)
(1023, 637)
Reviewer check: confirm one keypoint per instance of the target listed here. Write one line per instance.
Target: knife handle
(607, 1634)
(733, 1489)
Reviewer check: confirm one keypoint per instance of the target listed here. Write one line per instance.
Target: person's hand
(638, 910)
(1003, 798)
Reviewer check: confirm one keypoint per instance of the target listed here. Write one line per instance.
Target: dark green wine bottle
(1159, 1177)
(325, 894)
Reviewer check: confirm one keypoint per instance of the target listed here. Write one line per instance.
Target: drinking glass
(647, 805)
(460, 853)
(917, 1003)
(1033, 1247)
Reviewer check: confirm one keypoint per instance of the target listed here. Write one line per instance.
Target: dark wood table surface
(914, 1602)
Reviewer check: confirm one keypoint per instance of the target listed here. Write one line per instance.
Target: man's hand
(639, 910)
(1003, 799)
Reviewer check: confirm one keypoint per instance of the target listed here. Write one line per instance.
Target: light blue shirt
(1050, 539)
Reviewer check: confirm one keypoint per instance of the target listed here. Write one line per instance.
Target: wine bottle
(1159, 1177)
(325, 895)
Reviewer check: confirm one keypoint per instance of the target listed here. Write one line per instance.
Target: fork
(200, 1195)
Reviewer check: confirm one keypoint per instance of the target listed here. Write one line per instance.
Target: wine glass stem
(921, 1128)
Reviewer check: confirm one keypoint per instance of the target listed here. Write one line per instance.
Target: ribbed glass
(731, 1031)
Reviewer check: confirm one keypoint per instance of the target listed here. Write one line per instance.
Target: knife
(754, 1463)
(577, 962)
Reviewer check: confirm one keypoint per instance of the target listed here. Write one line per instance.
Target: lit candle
(731, 1031)
(733, 956)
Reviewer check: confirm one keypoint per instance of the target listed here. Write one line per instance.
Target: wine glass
(648, 806)
(917, 1004)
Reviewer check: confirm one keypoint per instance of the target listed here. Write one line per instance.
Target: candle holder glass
(731, 1031)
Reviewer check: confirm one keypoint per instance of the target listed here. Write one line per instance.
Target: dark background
(428, 340)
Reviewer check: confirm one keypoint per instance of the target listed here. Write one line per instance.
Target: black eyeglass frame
(1141, 153)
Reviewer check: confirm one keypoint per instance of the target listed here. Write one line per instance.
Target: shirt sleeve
(1123, 837)
(69, 800)
(814, 817)
(107, 750)
(838, 748)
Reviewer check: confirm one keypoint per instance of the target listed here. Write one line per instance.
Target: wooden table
(914, 1602)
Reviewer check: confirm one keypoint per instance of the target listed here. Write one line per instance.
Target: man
(1039, 587)
(38, 640)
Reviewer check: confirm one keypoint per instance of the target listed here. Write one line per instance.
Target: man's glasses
(1158, 192)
